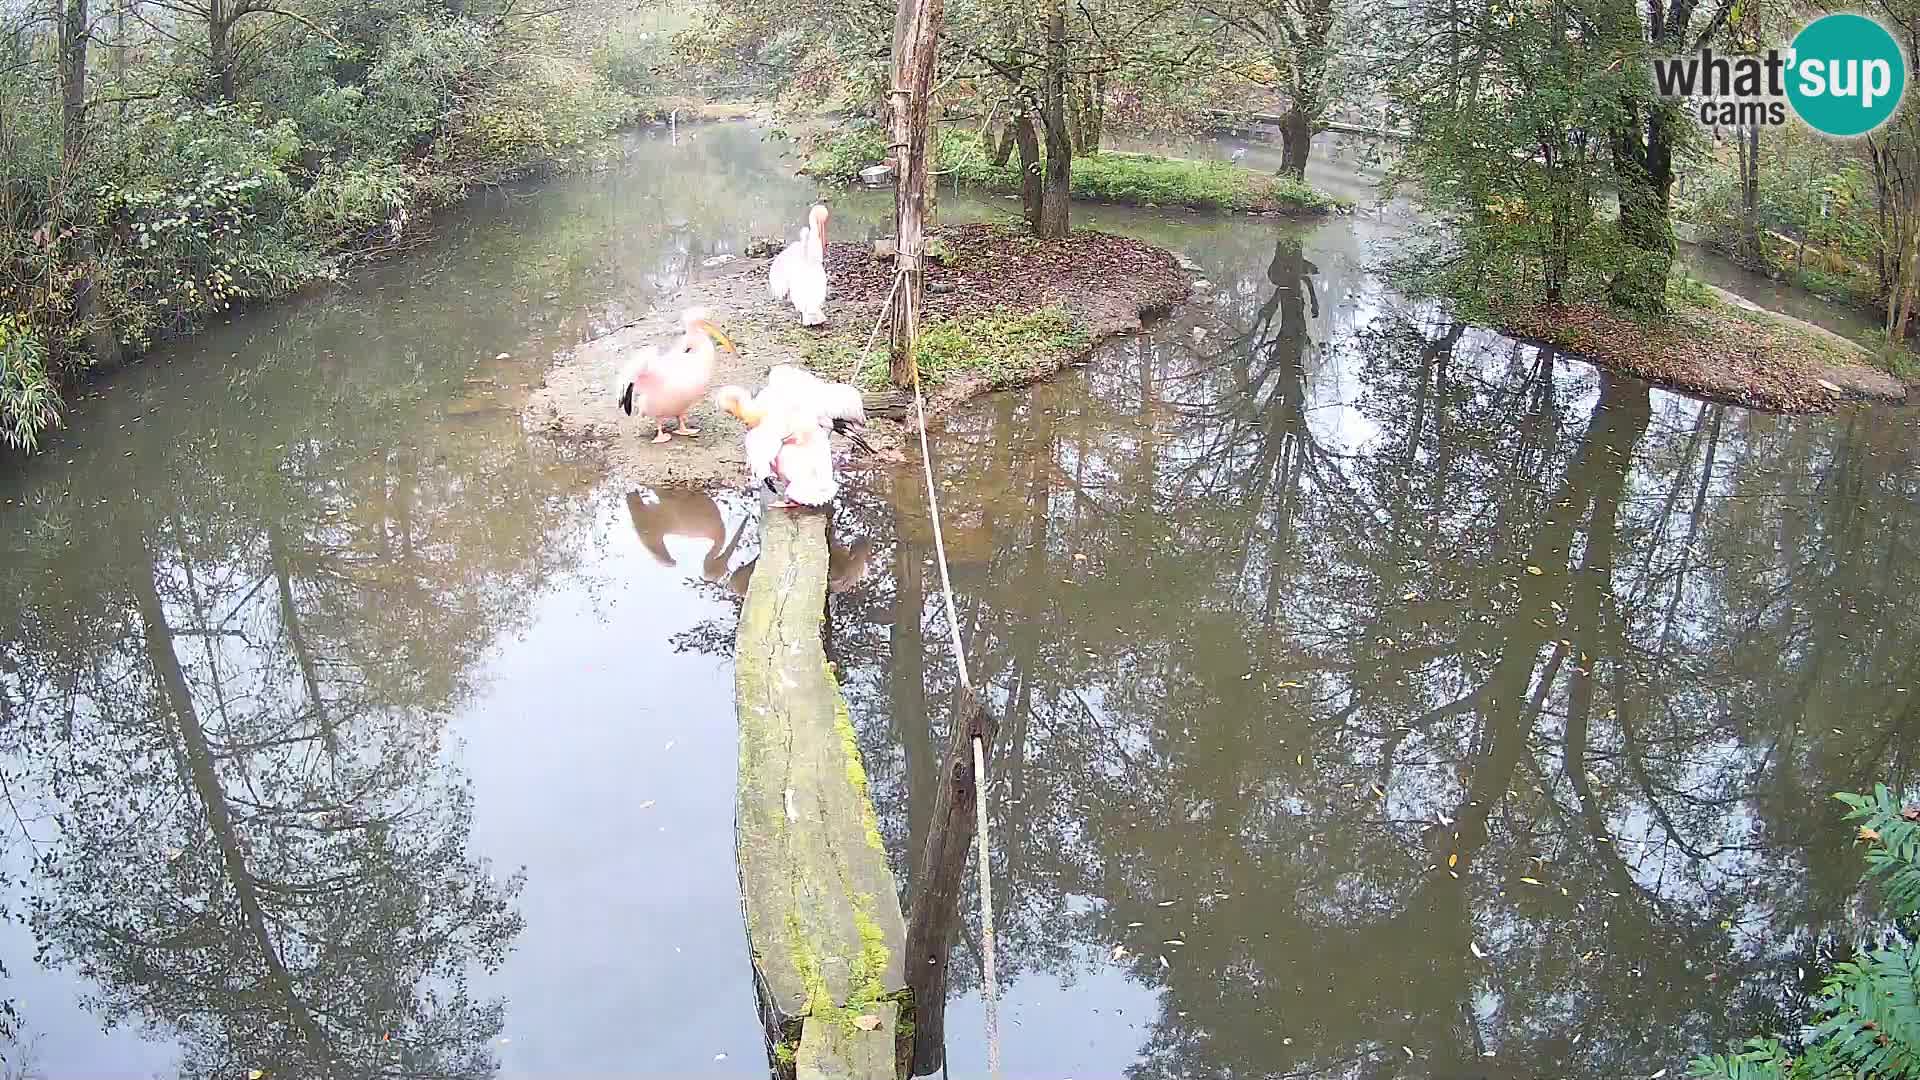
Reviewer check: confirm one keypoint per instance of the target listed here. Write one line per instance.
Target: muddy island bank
(1717, 346)
(1002, 310)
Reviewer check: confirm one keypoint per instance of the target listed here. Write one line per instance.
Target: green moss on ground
(1000, 349)
(1110, 176)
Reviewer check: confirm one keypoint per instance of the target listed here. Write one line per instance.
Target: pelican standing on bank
(662, 382)
(799, 272)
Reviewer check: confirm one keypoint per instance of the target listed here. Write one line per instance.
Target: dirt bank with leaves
(1718, 346)
(1003, 310)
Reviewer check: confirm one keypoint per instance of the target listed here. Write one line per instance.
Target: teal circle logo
(1848, 75)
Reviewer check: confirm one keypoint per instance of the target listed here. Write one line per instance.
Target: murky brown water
(1379, 696)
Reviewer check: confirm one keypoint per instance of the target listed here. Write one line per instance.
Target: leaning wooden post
(916, 34)
(823, 921)
(935, 915)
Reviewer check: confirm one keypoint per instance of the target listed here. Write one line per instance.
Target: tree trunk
(1296, 140)
(220, 50)
(1058, 170)
(73, 40)
(1750, 247)
(1002, 145)
(1029, 141)
(917, 32)
(1086, 100)
(1643, 168)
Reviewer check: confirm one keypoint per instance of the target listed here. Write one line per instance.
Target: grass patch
(1110, 176)
(1002, 349)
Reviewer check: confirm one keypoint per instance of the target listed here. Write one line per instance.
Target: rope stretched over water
(989, 979)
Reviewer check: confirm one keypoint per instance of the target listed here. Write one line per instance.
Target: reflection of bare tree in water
(232, 688)
(1294, 686)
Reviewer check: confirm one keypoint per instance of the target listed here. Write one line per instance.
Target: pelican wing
(802, 390)
(786, 266)
(637, 363)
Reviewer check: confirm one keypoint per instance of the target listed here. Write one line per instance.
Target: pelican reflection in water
(658, 513)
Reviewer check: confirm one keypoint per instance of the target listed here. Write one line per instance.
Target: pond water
(1378, 696)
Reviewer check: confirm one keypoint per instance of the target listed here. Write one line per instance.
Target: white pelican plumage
(787, 432)
(830, 404)
(799, 272)
(662, 382)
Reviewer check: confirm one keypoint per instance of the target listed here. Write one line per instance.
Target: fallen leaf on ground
(1869, 835)
(867, 1022)
(1911, 813)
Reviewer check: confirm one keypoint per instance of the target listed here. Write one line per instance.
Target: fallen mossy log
(823, 922)
(887, 404)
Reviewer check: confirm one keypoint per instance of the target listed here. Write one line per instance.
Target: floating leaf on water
(1535, 571)
(1173, 941)
(1477, 951)
(1135, 925)
(1409, 1051)
(866, 1022)
(1531, 881)
(1444, 819)
(504, 356)
(1658, 1075)
(1166, 903)
(1487, 1054)
(1453, 859)
(1163, 962)
(255, 1074)
(1380, 791)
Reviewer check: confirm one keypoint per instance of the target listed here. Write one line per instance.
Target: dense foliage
(165, 163)
(1867, 1015)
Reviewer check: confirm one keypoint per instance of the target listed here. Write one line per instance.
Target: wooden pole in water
(916, 33)
(934, 915)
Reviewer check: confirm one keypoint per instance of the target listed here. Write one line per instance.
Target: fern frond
(1893, 852)
(1871, 1016)
(1762, 1059)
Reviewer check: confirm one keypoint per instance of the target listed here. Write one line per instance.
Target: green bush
(357, 201)
(29, 401)
(176, 210)
(1867, 1018)
(629, 59)
(1807, 190)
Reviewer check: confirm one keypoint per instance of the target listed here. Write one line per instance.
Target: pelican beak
(719, 338)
